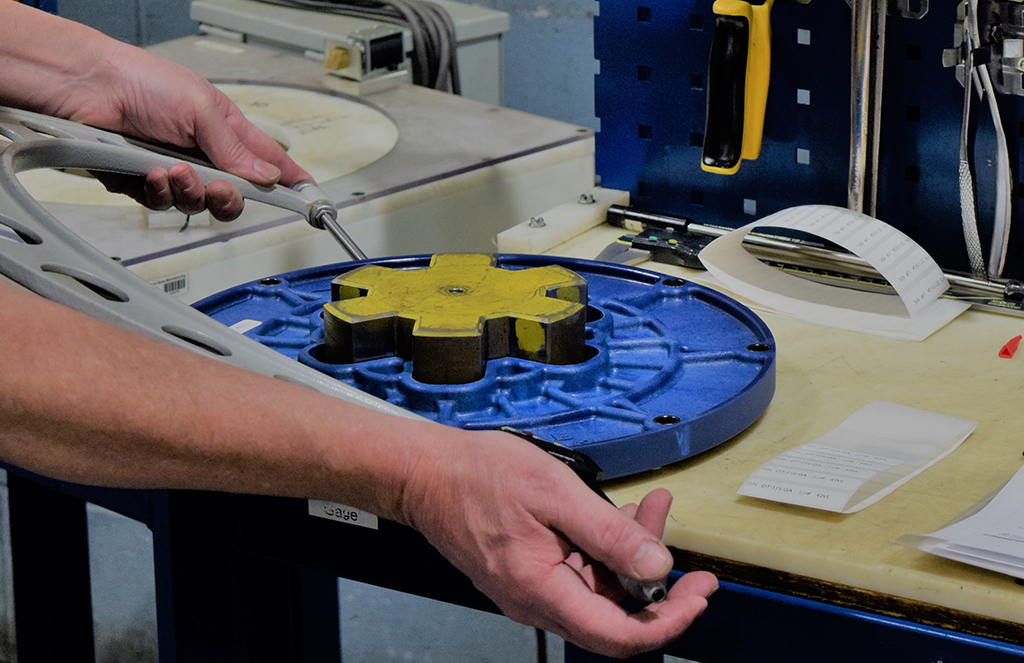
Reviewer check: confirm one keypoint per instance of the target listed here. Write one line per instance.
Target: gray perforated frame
(55, 263)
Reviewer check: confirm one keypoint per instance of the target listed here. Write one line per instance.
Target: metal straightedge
(39, 253)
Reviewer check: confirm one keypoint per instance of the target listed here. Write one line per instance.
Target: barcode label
(173, 285)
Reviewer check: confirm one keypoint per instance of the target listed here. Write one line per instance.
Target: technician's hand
(504, 513)
(157, 100)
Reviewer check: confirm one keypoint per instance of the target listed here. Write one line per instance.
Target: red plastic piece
(1010, 348)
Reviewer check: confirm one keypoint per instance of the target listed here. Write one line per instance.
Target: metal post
(867, 63)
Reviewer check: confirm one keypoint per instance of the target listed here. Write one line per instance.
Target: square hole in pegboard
(803, 37)
(911, 232)
(913, 113)
(643, 131)
(1020, 130)
(696, 81)
(643, 73)
(750, 207)
(643, 189)
(696, 139)
(914, 52)
(1020, 192)
(697, 197)
(912, 174)
(803, 156)
(643, 14)
(696, 21)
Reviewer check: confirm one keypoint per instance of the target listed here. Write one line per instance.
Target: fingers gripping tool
(590, 473)
(88, 148)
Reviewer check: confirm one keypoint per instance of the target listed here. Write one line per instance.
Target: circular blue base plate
(674, 368)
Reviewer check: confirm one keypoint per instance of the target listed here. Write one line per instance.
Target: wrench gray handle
(80, 146)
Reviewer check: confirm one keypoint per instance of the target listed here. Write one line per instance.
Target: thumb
(613, 538)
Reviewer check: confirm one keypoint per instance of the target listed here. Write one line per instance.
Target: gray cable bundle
(433, 33)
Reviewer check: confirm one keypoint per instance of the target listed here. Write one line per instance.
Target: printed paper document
(992, 538)
(914, 315)
(876, 450)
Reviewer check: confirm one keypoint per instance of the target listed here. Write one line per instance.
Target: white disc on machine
(330, 136)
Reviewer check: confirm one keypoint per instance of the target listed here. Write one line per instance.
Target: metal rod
(880, 10)
(770, 247)
(343, 238)
(860, 95)
(866, 75)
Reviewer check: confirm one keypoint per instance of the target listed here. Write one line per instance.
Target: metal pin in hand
(590, 473)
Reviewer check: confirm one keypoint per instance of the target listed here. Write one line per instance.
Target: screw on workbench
(537, 222)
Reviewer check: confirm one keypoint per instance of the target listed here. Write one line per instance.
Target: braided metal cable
(969, 218)
(968, 213)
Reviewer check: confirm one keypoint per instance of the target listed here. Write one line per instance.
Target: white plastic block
(561, 223)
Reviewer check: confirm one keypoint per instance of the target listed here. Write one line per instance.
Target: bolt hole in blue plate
(672, 369)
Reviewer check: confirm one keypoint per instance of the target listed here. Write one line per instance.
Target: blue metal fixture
(673, 368)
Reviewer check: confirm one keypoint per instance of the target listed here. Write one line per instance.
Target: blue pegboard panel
(673, 368)
(650, 98)
(46, 5)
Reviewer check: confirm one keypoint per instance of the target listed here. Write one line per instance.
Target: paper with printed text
(876, 450)
(914, 314)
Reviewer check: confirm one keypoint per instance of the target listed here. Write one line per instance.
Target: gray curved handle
(79, 146)
(56, 263)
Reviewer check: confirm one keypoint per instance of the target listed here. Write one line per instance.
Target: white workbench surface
(823, 376)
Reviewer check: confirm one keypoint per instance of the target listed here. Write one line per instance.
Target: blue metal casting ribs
(675, 368)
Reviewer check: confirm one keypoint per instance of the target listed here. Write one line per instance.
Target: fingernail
(182, 179)
(219, 197)
(161, 185)
(652, 560)
(266, 170)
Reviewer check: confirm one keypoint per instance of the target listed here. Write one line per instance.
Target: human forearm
(86, 402)
(40, 74)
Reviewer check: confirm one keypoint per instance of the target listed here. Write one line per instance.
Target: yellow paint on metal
(530, 335)
(459, 296)
(456, 293)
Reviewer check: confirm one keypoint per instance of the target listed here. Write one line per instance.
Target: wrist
(377, 462)
(439, 466)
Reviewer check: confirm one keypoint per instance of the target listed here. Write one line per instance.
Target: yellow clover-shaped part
(451, 317)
